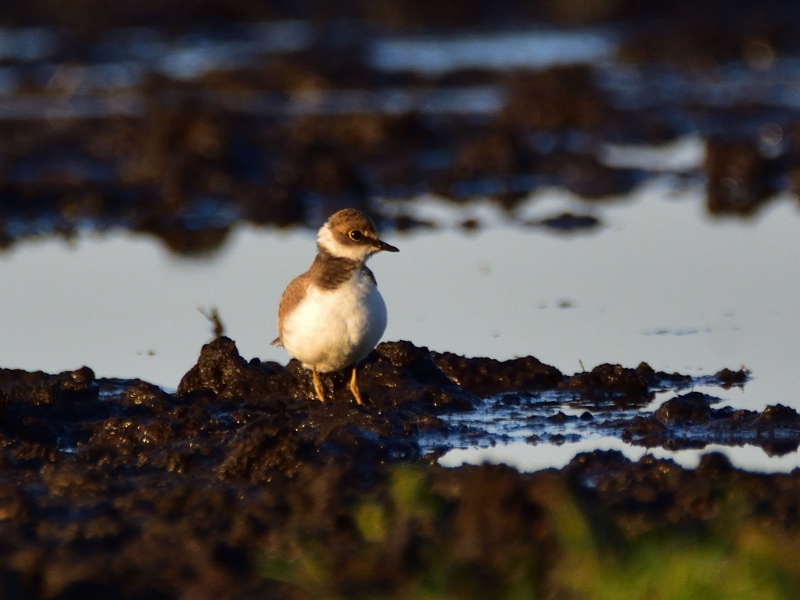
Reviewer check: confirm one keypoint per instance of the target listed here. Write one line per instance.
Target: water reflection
(67, 106)
(464, 100)
(718, 294)
(27, 44)
(733, 84)
(537, 49)
(687, 153)
(529, 458)
(468, 100)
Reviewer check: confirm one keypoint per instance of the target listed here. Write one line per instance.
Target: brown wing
(292, 296)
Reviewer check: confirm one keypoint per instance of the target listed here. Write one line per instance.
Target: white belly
(332, 329)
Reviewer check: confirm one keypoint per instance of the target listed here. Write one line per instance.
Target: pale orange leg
(354, 387)
(318, 385)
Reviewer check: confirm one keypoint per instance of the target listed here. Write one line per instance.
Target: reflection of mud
(689, 422)
(231, 485)
(739, 178)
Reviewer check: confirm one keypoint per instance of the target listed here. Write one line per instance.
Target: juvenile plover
(332, 316)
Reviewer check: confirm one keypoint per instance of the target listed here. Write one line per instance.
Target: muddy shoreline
(241, 485)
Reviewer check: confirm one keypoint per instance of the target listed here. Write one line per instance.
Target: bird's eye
(355, 235)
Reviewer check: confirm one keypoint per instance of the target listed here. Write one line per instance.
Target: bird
(332, 316)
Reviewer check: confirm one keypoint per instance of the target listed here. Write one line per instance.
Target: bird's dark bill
(381, 245)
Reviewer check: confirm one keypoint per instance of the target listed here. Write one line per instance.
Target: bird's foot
(318, 386)
(354, 387)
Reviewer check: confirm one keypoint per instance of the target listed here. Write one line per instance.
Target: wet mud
(240, 484)
(184, 155)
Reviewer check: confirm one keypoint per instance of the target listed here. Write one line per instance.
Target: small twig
(580, 362)
(213, 316)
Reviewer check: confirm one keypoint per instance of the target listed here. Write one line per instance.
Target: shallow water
(535, 49)
(658, 283)
(535, 457)
(108, 84)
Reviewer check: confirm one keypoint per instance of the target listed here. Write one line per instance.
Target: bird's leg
(354, 387)
(318, 385)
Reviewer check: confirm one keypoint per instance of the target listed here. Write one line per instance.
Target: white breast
(333, 329)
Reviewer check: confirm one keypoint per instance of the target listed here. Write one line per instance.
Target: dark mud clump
(729, 378)
(691, 408)
(568, 222)
(242, 485)
(405, 375)
(737, 177)
(486, 376)
(611, 383)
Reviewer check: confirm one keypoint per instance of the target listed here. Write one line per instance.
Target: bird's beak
(381, 245)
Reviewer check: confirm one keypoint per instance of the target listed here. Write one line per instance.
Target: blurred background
(587, 182)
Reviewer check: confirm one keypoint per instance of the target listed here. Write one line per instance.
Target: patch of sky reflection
(86, 79)
(537, 49)
(40, 106)
(732, 84)
(27, 44)
(199, 52)
(80, 103)
(534, 457)
(523, 417)
(453, 100)
(195, 54)
(210, 212)
(683, 154)
(61, 167)
(9, 80)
